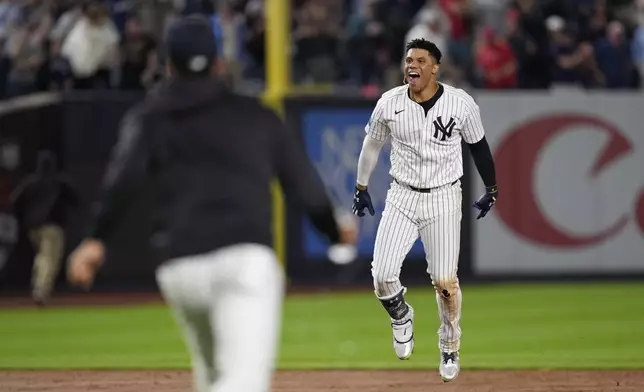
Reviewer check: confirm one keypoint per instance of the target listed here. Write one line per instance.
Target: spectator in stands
(531, 23)
(62, 6)
(614, 57)
(496, 61)
(524, 49)
(205, 7)
(92, 48)
(9, 15)
(26, 49)
(367, 40)
(590, 19)
(459, 14)
(255, 40)
(139, 62)
(65, 23)
(60, 70)
(317, 40)
(119, 10)
(432, 26)
(637, 44)
(573, 62)
(229, 29)
(369, 49)
(398, 15)
(491, 13)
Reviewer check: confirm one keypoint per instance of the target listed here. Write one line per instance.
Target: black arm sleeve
(128, 164)
(484, 162)
(300, 180)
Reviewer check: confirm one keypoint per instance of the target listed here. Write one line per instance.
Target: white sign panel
(570, 169)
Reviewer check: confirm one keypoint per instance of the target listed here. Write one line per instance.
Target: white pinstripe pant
(228, 304)
(436, 218)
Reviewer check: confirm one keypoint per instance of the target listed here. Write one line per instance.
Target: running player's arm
(377, 134)
(300, 180)
(474, 136)
(127, 166)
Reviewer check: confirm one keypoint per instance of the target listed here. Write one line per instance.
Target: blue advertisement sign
(333, 139)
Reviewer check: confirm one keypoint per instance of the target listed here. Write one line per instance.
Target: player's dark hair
(422, 43)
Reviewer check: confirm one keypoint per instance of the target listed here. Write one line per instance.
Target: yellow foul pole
(278, 79)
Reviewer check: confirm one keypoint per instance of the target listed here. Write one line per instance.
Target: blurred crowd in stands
(491, 44)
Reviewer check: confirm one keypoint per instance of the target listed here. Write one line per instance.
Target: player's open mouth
(413, 77)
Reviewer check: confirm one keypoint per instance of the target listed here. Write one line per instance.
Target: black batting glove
(362, 200)
(486, 201)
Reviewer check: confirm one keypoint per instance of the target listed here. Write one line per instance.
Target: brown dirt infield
(346, 381)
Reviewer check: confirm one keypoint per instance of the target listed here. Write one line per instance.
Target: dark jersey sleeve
(301, 181)
(127, 166)
(483, 161)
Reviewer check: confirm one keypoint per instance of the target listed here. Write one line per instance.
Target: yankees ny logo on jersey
(445, 130)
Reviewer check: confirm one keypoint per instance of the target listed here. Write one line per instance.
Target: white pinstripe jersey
(426, 149)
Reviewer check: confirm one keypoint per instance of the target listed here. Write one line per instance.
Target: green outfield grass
(504, 326)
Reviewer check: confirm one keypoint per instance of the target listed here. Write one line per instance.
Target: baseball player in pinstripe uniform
(426, 122)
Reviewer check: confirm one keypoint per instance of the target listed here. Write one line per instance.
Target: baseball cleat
(404, 335)
(450, 366)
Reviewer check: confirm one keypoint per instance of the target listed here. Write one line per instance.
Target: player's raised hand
(362, 200)
(485, 203)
